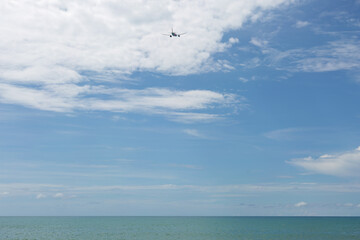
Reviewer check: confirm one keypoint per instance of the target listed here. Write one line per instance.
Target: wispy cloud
(244, 80)
(193, 117)
(171, 103)
(19, 189)
(194, 133)
(58, 195)
(344, 17)
(342, 164)
(40, 196)
(4, 194)
(337, 55)
(188, 166)
(295, 133)
(258, 42)
(62, 191)
(283, 134)
(285, 177)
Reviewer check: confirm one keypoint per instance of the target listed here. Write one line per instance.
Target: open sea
(180, 228)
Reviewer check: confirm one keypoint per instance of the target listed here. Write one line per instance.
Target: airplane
(174, 34)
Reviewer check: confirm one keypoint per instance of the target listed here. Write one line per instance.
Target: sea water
(180, 228)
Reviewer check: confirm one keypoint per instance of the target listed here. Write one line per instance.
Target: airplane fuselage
(174, 35)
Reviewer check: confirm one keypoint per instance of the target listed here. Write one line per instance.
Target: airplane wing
(182, 33)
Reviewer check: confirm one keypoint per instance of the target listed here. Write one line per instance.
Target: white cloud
(48, 47)
(233, 40)
(300, 204)
(301, 24)
(326, 156)
(58, 195)
(342, 164)
(40, 196)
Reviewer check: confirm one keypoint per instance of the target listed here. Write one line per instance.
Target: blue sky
(253, 112)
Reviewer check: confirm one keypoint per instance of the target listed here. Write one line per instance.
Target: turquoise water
(184, 228)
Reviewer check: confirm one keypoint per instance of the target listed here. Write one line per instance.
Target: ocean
(180, 228)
